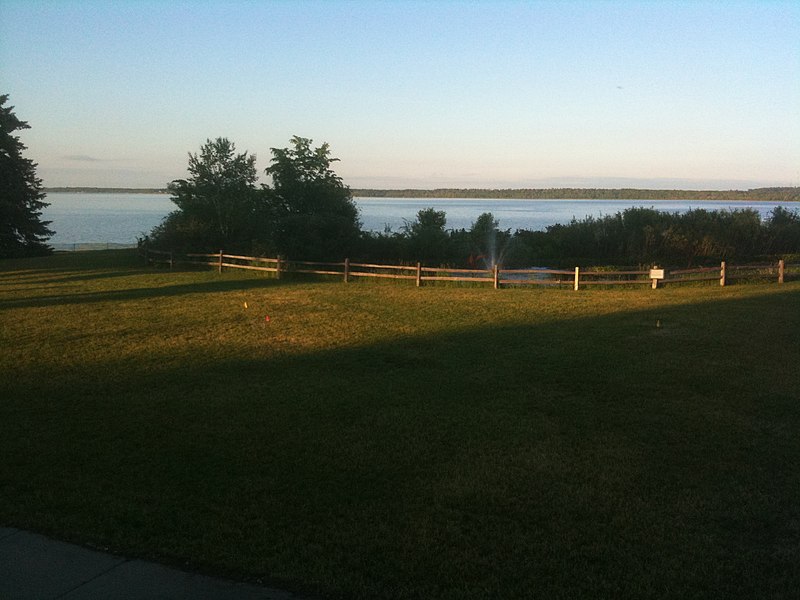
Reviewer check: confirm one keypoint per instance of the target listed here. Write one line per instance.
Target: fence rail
(497, 277)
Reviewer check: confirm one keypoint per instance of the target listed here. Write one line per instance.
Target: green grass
(383, 441)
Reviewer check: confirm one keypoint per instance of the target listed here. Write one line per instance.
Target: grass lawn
(382, 441)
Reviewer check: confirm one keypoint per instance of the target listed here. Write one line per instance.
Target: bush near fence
(497, 277)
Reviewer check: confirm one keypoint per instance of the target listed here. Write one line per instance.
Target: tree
(484, 230)
(783, 231)
(22, 232)
(488, 242)
(218, 205)
(429, 220)
(427, 237)
(315, 216)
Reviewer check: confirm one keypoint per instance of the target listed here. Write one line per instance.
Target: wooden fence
(496, 277)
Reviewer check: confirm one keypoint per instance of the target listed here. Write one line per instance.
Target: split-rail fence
(497, 277)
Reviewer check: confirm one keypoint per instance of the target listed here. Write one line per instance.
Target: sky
(691, 95)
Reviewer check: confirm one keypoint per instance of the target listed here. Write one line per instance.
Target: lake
(112, 219)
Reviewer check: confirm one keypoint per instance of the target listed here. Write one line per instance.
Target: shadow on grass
(95, 259)
(73, 277)
(80, 267)
(602, 457)
(163, 291)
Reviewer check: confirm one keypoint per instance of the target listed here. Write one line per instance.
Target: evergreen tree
(22, 232)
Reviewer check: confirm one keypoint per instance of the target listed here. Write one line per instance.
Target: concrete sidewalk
(35, 567)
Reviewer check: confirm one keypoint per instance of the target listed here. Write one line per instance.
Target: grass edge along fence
(497, 277)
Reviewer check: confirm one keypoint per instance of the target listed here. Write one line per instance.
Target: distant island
(770, 194)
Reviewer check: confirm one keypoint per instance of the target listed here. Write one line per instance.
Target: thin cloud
(82, 158)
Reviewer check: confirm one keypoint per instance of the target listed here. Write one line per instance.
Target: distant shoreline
(103, 190)
(776, 194)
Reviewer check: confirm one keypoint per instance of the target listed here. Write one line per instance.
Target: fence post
(346, 270)
(219, 266)
(780, 271)
(577, 276)
(496, 274)
(146, 258)
(171, 260)
(419, 274)
(278, 267)
(722, 273)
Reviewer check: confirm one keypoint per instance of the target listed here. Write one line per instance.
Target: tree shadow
(218, 286)
(91, 276)
(603, 457)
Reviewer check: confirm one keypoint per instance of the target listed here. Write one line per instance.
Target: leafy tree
(429, 220)
(315, 216)
(783, 231)
(22, 232)
(643, 235)
(427, 237)
(484, 230)
(489, 245)
(218, 205)
(742, 234)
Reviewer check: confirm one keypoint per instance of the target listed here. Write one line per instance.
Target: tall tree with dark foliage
(22, 231)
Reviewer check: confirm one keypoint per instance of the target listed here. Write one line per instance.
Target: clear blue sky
(413, 94)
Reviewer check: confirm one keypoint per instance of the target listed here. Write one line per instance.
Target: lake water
(103, 218)
(121, 218)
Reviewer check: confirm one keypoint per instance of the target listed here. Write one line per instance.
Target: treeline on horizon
(769, 194)
(104, 190)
